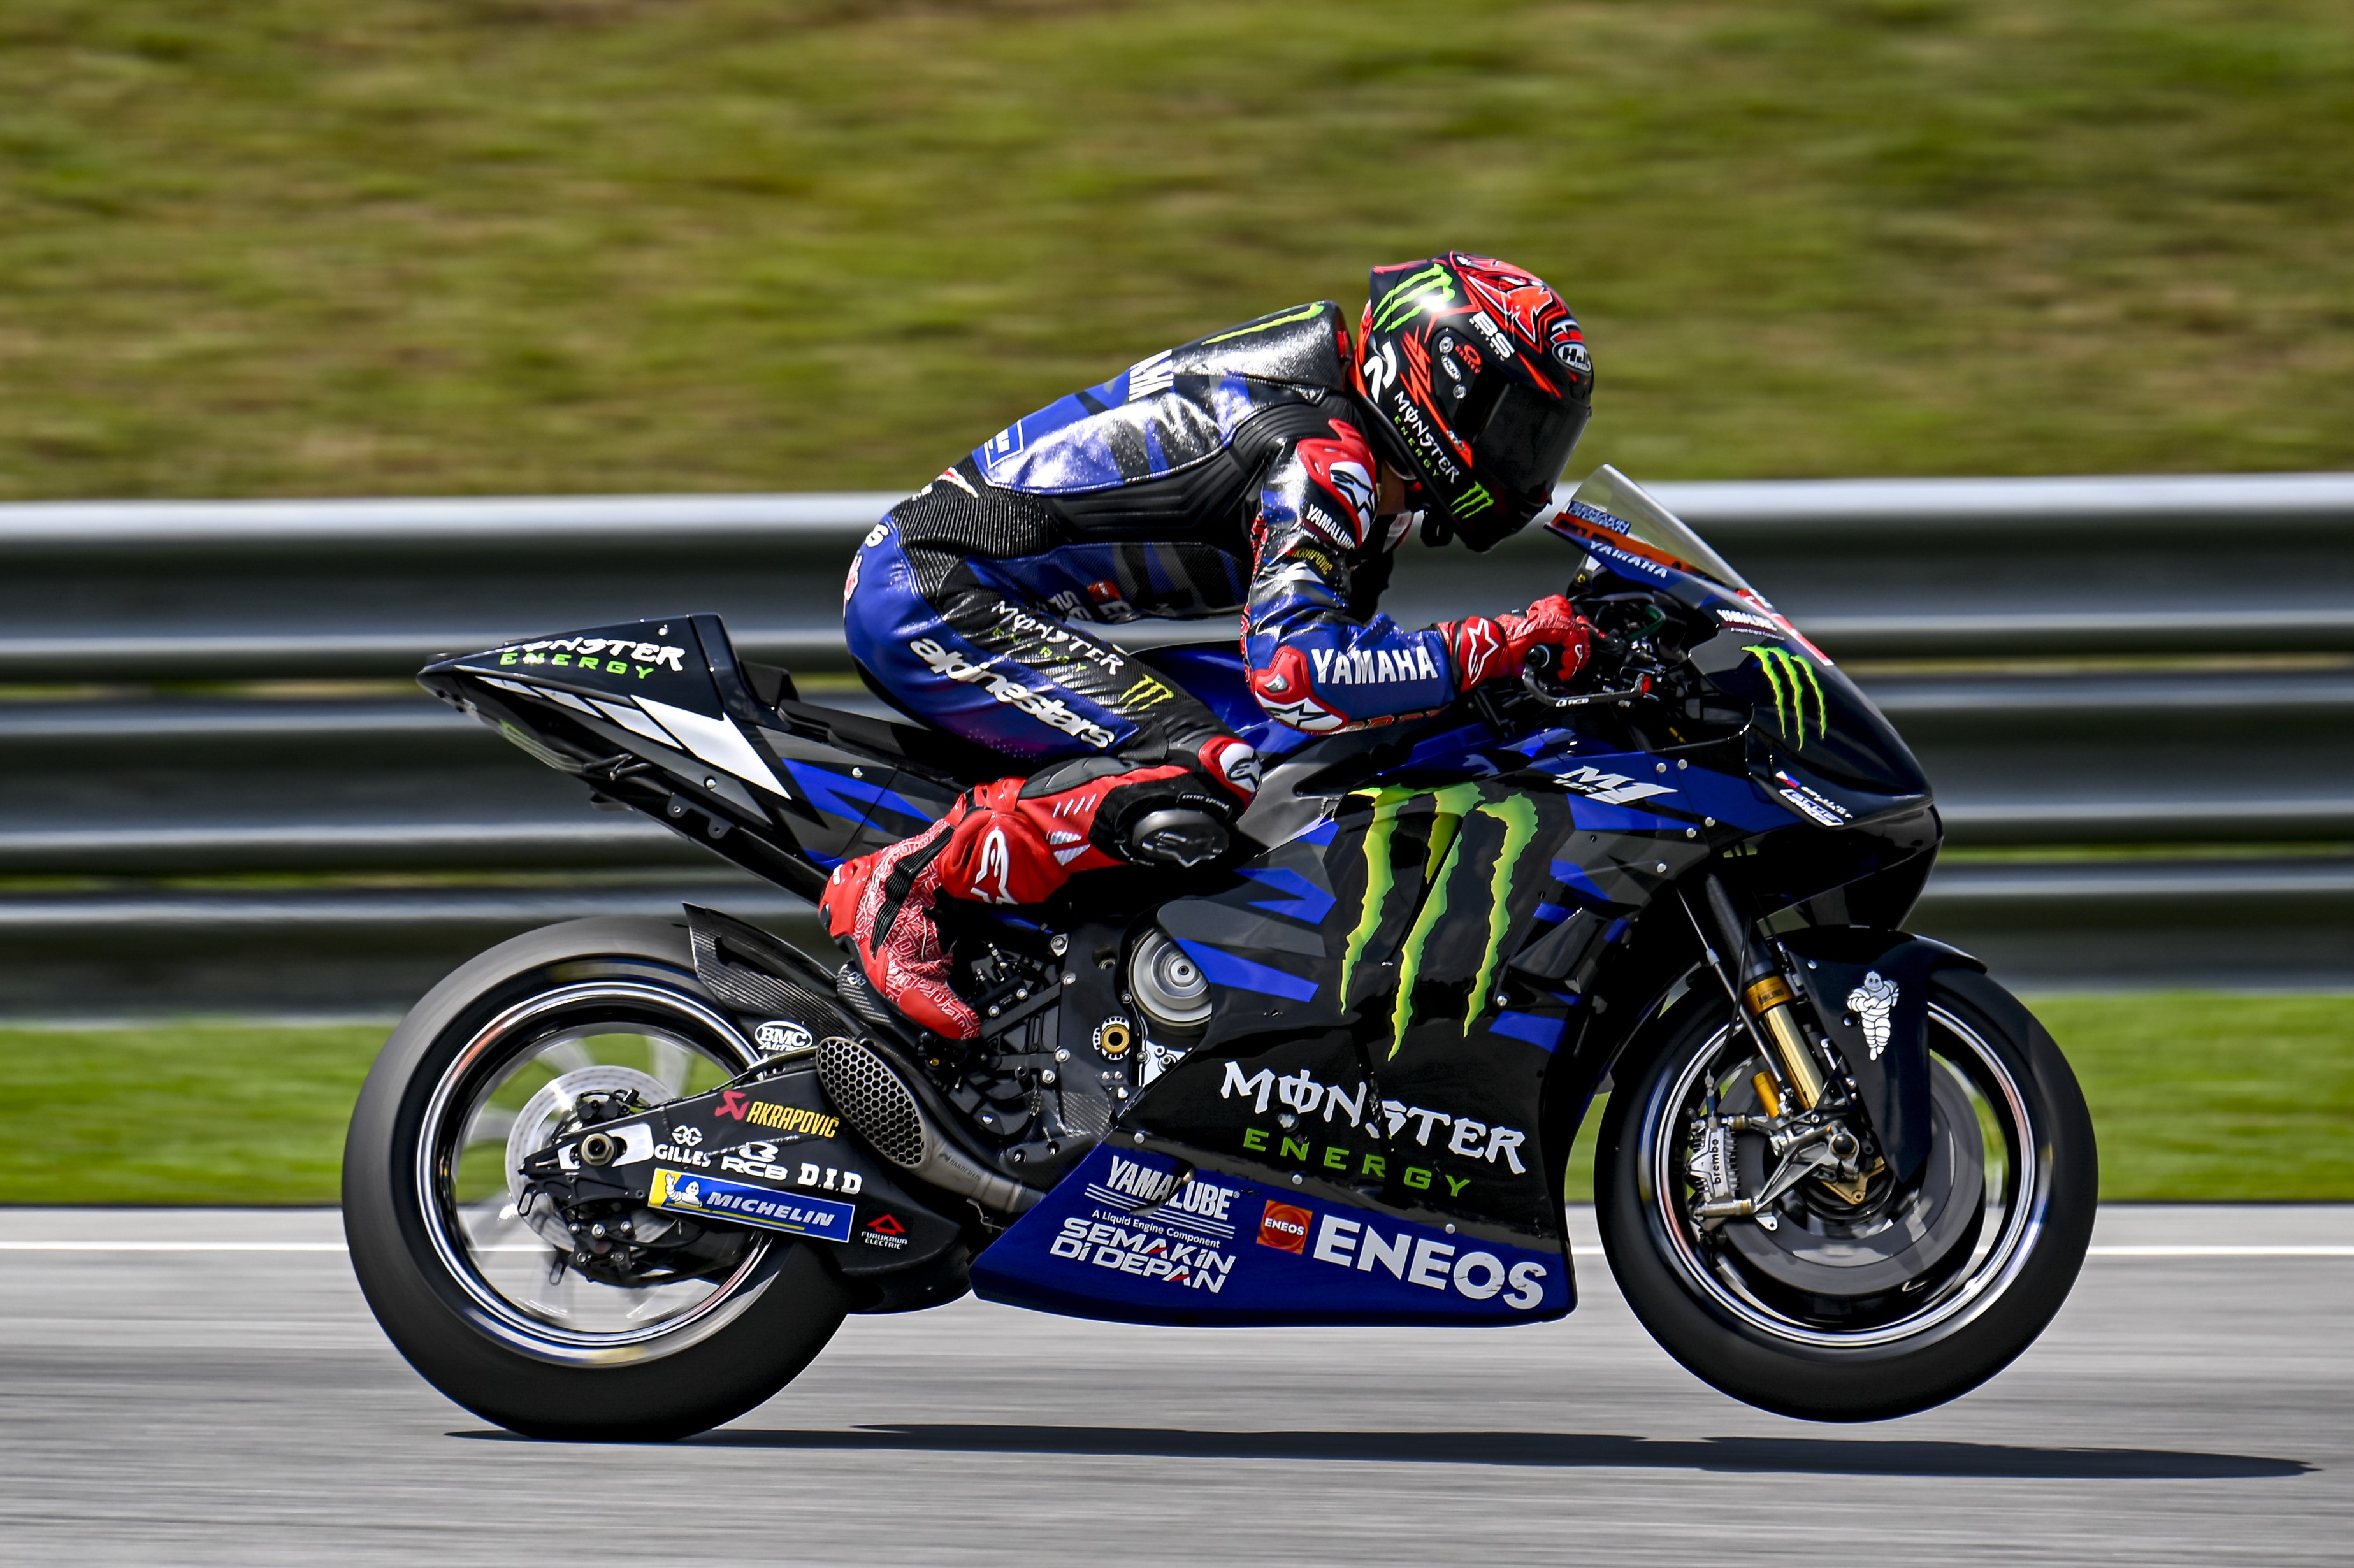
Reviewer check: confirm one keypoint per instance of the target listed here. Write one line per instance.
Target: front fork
(1805, 1122)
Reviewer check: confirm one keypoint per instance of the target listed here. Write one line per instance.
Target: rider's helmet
(1482, 385)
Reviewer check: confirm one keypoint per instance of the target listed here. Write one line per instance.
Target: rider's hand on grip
(1488, 647)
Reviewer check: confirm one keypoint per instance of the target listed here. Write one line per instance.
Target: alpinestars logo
(1481, 645)
(1046, 709)
(995, 862)
(1793, 680)
(1449, 808)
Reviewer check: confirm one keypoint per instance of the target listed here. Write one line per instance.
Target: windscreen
(1611, 504)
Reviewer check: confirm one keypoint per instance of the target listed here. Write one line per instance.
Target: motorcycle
(623, 1178)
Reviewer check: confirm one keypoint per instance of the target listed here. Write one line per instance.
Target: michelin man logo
(1872, 1002)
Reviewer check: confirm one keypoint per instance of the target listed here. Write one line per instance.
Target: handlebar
(1536, 679)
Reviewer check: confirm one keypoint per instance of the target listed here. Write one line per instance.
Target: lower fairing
(1138, 1237)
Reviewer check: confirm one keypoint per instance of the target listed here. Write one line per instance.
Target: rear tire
(1980, 1302)
(749, 1327)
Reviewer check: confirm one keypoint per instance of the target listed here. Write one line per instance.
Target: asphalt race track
(229, 1400)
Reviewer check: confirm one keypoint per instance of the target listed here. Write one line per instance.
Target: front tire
(1814, 1322)
(479, 1299)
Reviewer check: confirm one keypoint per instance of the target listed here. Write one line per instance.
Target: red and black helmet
(1482, 385)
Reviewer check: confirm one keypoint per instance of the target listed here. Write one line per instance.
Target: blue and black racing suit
(1234, 472)
(1231, 473)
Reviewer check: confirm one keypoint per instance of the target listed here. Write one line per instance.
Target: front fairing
(1813, 740)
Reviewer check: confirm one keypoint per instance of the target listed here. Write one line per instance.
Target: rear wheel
(1871, 1301)
(655, 1330)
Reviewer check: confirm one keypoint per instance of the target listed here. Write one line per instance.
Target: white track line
(167, 1246)
(2315, 1249)
(2187, 1250)
(201, 1246)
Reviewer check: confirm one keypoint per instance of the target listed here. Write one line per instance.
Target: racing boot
(1018, 840)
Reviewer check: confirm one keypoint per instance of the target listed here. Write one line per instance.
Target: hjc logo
(1284, 1227)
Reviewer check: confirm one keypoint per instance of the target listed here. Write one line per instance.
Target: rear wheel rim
(479, 1247)
(2005, 1239)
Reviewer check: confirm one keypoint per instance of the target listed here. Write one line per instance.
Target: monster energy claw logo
(1432, 285)
(1792, 678)
(1474, 501)
(1147, 693)
(1449, 808)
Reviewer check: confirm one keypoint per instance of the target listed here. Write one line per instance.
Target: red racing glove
(1487, 648)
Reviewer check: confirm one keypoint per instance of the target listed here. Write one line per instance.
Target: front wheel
(1868, 1302)
(645, 1328)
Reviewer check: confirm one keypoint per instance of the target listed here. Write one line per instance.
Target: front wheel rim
(463, 1091)
(1995, 1264)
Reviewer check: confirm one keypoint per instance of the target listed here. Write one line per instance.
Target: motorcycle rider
(1273, 467)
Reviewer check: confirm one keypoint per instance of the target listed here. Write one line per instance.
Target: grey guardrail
(1881, 568)
(1967, 578)
(1741, 508)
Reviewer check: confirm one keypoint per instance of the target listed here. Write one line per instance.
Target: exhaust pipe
(875, 1098)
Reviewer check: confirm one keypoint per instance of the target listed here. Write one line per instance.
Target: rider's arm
(1311, 665)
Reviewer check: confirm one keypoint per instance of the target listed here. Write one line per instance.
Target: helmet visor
(1526, 442)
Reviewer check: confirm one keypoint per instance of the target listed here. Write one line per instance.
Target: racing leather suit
(1233, 472)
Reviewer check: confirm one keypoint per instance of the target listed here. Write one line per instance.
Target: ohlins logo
(1449, 810)
(1793, 680)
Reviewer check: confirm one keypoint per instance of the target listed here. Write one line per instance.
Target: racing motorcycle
(623, 1178)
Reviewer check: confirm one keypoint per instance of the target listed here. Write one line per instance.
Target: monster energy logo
(1432, 285)
(1147, 693)
(1474, 501)
(1270, 324)
(1449, 808)
(1792, 679)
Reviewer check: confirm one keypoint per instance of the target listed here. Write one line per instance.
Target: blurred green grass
(2197, 1097)
(418, 245)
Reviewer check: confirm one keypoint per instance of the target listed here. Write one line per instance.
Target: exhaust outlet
(875, 1099)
